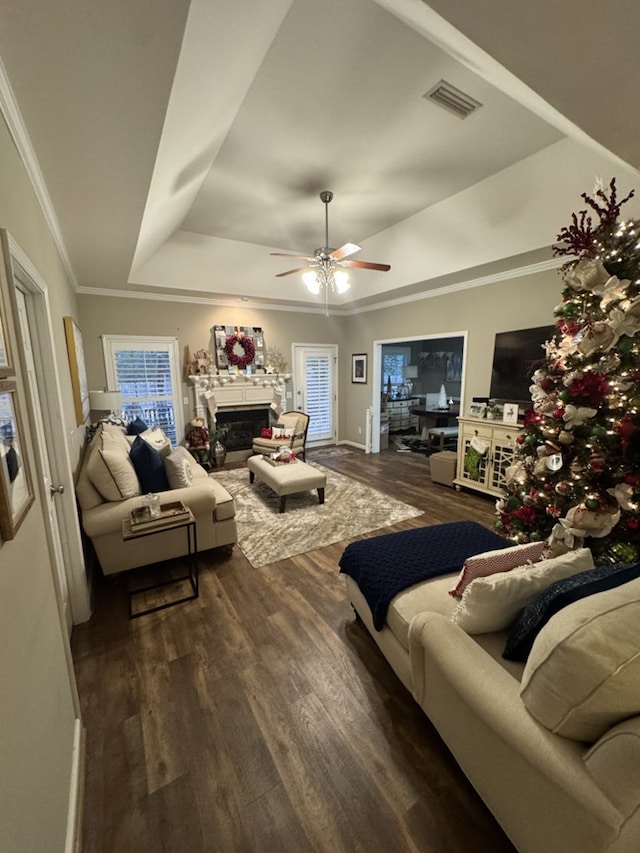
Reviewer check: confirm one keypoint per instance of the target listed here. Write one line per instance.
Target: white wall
(38, 718)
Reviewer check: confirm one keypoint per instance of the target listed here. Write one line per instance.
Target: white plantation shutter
(146, 372)
(318, 395)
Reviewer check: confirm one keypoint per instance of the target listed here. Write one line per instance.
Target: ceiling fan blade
(287, 255)
(367, 265)
(344, 251)
(290, 272)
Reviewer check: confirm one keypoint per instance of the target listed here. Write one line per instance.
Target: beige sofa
(517, 729)
(107, 490)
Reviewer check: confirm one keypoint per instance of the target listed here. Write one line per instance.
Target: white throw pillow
(492, 603)
(583, 673)
(179, 470)
(492, 562)
(112, 473)
(280, 432)
(158, 440)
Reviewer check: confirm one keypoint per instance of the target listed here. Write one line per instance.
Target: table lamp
(410, 372)
(106, 401)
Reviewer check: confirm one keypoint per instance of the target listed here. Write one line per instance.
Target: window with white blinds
(146, 371)
(394, 360)
(318, 395)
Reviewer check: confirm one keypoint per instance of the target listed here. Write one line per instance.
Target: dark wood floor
(262, 717)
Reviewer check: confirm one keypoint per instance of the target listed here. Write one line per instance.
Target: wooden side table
(189, 524)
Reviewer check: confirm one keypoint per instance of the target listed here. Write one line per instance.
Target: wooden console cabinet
(501, 439)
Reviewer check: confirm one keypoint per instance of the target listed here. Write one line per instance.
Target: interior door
(49, 490)
(315, 390)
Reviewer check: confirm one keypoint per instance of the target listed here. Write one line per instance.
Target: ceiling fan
(326, 266)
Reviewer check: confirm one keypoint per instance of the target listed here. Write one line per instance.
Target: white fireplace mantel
(221, 391)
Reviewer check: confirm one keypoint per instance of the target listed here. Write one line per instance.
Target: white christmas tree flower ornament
(599, 337)
(613, 291)
(590, 523)
(634, 307)
(515, 473)
(623, 493)
(587, 274)
(575, 416)
(564, 532)
(624, 323)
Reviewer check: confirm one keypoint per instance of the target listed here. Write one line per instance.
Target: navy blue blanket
(385, 565)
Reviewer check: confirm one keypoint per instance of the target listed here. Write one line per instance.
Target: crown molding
(482, 281)
(230, 302)
(13, 117)
(234, 302)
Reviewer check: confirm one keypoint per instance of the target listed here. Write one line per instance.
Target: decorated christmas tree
(576, 474)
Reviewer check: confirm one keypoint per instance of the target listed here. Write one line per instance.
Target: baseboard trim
(76, 791)
(353, 444)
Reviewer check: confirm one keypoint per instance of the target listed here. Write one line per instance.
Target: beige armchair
(296, 425)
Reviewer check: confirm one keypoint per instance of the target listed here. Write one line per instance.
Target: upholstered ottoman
(287, 478)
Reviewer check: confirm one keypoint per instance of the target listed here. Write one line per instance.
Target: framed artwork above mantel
(240, 347)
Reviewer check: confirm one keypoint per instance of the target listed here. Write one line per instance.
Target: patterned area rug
(350, 509)
(410, 444)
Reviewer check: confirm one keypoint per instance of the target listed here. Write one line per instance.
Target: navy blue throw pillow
(136, 427)
(532, 618)
(149, 467)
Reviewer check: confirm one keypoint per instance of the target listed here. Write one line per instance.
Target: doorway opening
(418, 372)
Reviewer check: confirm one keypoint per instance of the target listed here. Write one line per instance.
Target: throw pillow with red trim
(266, 433)
(493, 562)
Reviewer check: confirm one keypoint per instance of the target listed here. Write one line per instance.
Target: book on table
(173, 512)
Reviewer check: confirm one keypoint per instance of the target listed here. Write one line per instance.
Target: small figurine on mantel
(200, 363)
(197, 440)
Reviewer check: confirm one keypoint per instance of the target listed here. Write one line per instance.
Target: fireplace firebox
(244, 425)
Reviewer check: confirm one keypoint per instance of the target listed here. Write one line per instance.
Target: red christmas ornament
(596, 462)
(558, 413)
(625, 429)
(632, 524)
(632, 479)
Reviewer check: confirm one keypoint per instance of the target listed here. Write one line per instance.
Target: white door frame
(55, 438)
(377, 374)
(332, 349)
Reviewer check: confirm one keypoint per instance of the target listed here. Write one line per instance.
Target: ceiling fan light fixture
(311, 281)
(325, 267)
(341, 279)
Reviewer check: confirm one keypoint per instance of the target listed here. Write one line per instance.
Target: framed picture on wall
(75, 351)
(16, 491)
(359, 368)
(6, 362)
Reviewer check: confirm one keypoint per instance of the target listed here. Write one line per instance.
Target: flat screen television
(516, 355)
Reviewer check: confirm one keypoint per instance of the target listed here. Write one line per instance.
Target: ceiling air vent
(447, 96)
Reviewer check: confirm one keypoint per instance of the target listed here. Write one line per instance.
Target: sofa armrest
(199, 497)
(448, 666)
(613, 761)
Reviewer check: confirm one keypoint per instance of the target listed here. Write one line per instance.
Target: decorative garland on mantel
(205, 382)
(246, 344)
